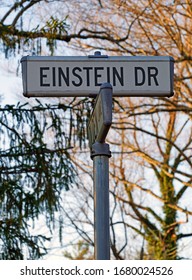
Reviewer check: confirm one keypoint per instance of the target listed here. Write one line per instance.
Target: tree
(153, 28)
(162, 153)
(81, 252)
(35, 169)
(155, 133)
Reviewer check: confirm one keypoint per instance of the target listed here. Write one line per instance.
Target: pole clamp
(100, 149)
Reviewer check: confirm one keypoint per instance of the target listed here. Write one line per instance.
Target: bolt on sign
(62, 76)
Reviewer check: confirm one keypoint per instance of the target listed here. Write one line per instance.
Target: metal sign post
(62, 76)
(100, 155)
(98, 128)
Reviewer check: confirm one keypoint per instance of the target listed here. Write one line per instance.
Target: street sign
(101, 118)
(57, 76)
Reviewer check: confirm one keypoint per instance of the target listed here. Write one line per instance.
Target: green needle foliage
(152, 137)
(35, 168)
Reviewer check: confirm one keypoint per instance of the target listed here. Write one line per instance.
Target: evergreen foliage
(149, 136)
(35, 167)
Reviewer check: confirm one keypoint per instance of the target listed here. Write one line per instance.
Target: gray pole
(100, 156)
(98, 127)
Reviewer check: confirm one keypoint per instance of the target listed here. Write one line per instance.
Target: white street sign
(55, 76)
(101, 118)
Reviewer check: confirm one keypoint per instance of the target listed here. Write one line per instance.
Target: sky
(10, 81)
(11, 92)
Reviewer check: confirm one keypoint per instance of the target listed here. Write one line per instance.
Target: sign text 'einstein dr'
(83, 76)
